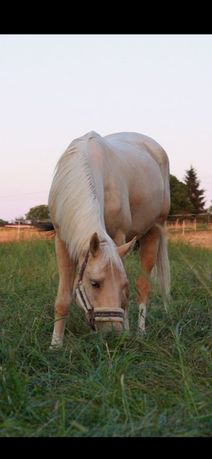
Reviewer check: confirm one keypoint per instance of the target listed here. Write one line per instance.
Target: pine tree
(195, 194)
(180, 202)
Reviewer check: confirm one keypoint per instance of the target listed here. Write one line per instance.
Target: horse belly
(146, 203)
(134, 193)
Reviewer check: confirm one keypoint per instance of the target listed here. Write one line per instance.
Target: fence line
(189, 222)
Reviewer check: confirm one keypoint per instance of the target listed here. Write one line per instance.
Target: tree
(195, 194)
(209, 210)
(180, 202)
(38, 213)
(3, 222)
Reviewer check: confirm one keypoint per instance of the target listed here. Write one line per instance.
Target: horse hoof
(56, 347)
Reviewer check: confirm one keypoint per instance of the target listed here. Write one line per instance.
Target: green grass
(126, 385)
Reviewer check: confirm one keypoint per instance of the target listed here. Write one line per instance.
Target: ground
(130, 385)
(195, 238)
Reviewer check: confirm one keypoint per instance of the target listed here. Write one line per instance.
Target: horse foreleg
(148, 255)
(66, 278)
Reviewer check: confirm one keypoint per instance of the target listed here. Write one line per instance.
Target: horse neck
(77, 199)
(91, 219)
(95, 224)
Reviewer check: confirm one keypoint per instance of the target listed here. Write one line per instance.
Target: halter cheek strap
(81, 297)
(84, 264)
(83, 302)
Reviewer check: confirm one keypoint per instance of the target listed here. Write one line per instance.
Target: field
(195, 238)
(22, 233)
(201, 238)
(122, 386)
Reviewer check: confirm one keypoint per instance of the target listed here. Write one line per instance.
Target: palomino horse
(106, 193)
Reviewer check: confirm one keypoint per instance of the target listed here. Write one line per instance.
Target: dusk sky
(55, 88)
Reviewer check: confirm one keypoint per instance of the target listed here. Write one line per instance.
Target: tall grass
(127, 385)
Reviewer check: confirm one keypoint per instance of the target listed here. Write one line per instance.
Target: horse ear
(94, 244)
(126, 248)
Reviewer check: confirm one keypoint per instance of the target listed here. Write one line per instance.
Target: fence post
(183, 227)
(18, 231)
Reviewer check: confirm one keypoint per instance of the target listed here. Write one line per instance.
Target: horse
(106, 194)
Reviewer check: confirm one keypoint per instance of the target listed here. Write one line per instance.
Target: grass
(126, 385)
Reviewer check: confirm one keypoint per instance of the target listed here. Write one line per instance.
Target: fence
(189, 222)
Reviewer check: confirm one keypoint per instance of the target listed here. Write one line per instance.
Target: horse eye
(95, 284)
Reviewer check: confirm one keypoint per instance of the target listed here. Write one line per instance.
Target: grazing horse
(108, 192)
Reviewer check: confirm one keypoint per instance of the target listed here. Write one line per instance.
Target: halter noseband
(94, 314)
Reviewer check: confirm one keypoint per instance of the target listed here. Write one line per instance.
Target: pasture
(123, 386)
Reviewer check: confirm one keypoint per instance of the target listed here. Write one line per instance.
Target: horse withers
(108, 192)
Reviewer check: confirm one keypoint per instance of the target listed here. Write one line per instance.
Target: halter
(94, 314)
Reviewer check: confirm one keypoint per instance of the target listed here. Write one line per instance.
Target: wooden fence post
(18, 231)
(183, 227)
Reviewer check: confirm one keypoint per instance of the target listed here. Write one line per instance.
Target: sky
(54, 88)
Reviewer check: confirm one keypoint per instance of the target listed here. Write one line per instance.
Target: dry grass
(23, 234)
(195, 238)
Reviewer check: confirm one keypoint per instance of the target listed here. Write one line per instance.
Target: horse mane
(74, 205)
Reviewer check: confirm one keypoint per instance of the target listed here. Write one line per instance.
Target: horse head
(102, 286)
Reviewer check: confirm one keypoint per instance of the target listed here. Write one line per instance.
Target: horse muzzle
(106, 320)
(100, 318)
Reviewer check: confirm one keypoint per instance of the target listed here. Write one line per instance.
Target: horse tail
(163, 267)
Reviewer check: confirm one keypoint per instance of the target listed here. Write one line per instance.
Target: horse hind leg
(148, 251)
(66, 279)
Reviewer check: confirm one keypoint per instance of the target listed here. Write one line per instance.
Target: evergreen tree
(180, 202)
(195, 194)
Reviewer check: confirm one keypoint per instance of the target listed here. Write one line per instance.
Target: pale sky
(54, 88)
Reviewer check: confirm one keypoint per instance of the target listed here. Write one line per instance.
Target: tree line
(186, 198)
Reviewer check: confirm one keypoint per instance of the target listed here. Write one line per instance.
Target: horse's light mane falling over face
(77, 211)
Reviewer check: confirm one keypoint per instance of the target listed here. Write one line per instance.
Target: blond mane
(73, 202)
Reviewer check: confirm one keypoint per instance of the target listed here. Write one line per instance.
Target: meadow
(104, 386)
